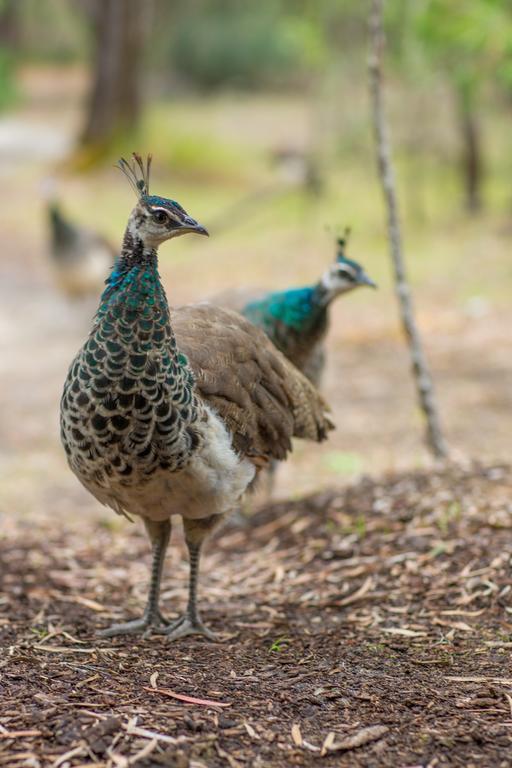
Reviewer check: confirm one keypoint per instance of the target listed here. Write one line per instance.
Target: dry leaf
(460, 625)
(79, 600)
(358, 594)
(296, 735)
(187, 699)
(250, 730)
(328, 742)
(478, 679)
(404, 632)
(364, 736)
(80, 750)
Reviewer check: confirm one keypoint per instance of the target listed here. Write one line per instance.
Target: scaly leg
(270, 478)
(159, 534)
(190, 623)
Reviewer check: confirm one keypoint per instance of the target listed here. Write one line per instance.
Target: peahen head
(154, 219)
(345, 274)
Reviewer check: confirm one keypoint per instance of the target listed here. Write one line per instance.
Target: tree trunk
(471, 161)
(9, 25)
(421, 372)
(115, 101)
(9, 45)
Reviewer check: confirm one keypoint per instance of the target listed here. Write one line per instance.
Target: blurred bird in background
(297, 320)
(80, 258)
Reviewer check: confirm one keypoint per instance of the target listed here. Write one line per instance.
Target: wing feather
(261, 397)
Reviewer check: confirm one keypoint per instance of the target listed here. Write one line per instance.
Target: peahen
(81, 258)
(175, 412)
(297, 320)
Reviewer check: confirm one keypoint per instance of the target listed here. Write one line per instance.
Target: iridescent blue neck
(297, 308)
(134, 282)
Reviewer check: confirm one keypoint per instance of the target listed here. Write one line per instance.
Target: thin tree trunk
(115, 101)
(422, 377)
(10, 34)
(472, 166)
(9, 25)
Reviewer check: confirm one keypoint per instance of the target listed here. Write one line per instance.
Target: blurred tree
(214, 44)
(9, 23)
(119, 30)
(471, 43)
(9, 40)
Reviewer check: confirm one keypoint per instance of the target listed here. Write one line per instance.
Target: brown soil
(370, 626)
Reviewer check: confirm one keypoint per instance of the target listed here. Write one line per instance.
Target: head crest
(137, 173)
(341, 242)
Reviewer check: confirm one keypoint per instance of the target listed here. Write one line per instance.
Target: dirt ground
(364, 627)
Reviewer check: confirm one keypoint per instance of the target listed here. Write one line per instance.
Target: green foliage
(7, 84)
(39, 632)
(253, 45)
(7, 55)
(53, 31)
(470, 41)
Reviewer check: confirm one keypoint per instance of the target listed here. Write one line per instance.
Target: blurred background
(258, 118)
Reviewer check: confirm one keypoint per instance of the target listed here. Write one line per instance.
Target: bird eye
(160, 216)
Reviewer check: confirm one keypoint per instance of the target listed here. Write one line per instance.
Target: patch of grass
(357, 527)
(280, 644)
(39, 632)
(378, 648)
(451, 514)
(192, 151)
(438, 550)
(344, 462)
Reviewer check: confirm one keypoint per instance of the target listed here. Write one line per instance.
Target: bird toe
(185, 626)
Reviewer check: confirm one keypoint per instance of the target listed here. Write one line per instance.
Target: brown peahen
(175, 412)
(297, 320)
(81, 258)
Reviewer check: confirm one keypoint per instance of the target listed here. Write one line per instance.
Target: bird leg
(270, 478)
(159, 534)
(190, 623)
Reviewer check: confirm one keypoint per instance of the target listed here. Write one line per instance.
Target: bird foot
(186, 626)
(145, 625)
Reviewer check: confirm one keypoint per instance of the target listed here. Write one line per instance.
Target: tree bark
(115, 100)
(421, 373)
(472, 165)
(9, 25)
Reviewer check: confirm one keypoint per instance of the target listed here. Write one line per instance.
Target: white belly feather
(212, 483)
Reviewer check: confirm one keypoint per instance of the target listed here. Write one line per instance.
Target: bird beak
(189, 224)
(365, 280)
